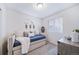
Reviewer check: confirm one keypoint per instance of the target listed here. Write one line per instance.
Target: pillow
(31, 34)
(25, 34)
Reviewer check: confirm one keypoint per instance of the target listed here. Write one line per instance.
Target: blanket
(25, 41)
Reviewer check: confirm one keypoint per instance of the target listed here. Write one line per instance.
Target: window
(56, 25)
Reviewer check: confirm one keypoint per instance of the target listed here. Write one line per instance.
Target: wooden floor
(48, 49)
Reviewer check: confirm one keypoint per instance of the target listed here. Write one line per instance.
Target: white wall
(2, 26)
(16, 21)
(0, 31)
(70, 21)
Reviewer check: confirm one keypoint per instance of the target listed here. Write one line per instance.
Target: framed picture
(33, 26)
(29, 26)
(26, 26)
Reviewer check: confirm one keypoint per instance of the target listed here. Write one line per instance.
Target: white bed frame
(17, 50)
(37, 44)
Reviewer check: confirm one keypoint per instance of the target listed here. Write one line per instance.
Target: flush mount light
(39, 6)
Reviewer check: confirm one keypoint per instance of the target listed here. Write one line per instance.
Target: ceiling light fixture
(39, 6)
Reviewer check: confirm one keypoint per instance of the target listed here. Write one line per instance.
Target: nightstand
(67, 47)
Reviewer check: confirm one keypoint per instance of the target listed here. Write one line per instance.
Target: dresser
(67, 47)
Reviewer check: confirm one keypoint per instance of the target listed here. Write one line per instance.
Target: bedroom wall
(70, 21)
(2, 26)
(14, 21)
(0, 30)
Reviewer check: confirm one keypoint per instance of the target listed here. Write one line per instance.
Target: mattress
(37, 37)
(32, 39)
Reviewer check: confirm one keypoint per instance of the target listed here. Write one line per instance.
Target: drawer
(64, 49)
(75, 50)
(67, 47)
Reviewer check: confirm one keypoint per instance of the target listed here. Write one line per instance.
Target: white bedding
(25, 41)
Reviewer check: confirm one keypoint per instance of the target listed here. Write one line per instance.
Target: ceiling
(28, 8)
